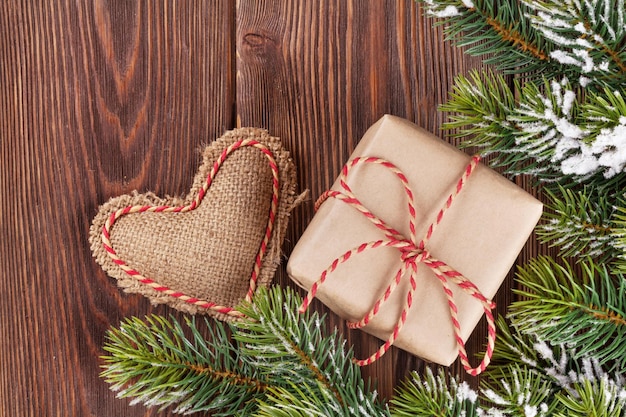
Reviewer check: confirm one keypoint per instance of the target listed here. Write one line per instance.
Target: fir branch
(548, 133)
(480, 106)
(580, 224)
(484, 111)
(604, 116)
(297, 349)
(561, 381)
(280, 363)
(500, 32)
(590, 35)
(583, 41)
(513, 347)
(520, 392)
(516, 39)
(596, 397)
(546, 125)
(154, 362)
(605, 110)
(432, 396)
(554, 363)
(619, 235)
(304, 401)
(521, 361)
(587, 311)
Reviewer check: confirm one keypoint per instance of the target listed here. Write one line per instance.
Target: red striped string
(412, 253)
(230, 311)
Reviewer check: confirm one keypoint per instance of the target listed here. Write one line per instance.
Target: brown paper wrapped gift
(480, 236)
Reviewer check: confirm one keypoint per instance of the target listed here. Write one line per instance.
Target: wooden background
(100, 97)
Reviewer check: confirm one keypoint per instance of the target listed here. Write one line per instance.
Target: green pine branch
(431, 395)
(619, 237)
(589, 35)
(529, 376)
(599, 397)
(522, 376)
(581, 224)
(298, 349)
(479, 108)
(497, 31)
(552, 132)
(276, 363)
(154, 362)
(586, 309)
(519, 392)
(582, 41)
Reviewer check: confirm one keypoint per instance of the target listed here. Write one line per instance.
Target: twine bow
(412, 253)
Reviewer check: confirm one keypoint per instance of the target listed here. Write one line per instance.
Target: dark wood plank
(96, 99)
(318, 74)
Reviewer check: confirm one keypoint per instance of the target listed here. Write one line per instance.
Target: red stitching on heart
(106, 242)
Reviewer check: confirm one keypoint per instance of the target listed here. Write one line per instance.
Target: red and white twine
(228, 310)
(412, 252)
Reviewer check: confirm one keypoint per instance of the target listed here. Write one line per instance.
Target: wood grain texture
(100, 98)
(96, 99)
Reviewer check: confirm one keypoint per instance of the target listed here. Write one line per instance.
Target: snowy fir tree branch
(431, 395)
(528, 377)
(498, 31)
(581, 224)
(280, 363)
(553, 127)
(156, 364)
(531, 377)
(586, 309)
(580, 40)
(520, 392)
(590, 35)
(287, 346)
(548, 132)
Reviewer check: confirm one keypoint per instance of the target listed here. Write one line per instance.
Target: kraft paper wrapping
(480, 236)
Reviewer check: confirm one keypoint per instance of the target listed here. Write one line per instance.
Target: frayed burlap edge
(288, 199)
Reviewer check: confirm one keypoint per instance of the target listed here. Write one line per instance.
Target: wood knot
(258, 45)
(254, 40)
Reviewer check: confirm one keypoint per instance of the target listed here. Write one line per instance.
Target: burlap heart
(207, 252)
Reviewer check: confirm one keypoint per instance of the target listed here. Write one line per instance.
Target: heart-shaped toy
(208, 251)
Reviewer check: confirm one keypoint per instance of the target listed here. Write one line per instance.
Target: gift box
(477, 234)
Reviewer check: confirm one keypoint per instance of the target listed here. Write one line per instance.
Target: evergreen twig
(580, 224)
(277, 363)
(529, 376)
(588, 35)
(587, 310)
(298, 349)
(548, 132)
(432, 395)
(154, 362)
(499, 32)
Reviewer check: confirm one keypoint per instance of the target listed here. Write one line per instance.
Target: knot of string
(411, 254)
